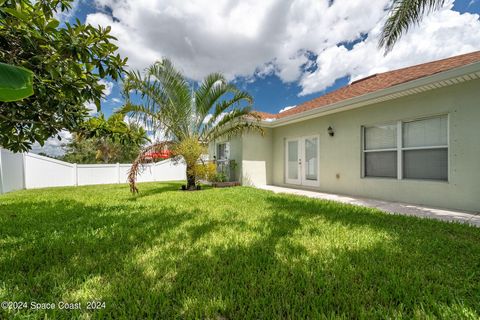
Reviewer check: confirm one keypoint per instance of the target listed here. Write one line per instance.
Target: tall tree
(189, 119)
(106, 140)
(402, 16)
(67, 63)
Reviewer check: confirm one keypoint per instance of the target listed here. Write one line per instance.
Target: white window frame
(363, 151)
(399, 148)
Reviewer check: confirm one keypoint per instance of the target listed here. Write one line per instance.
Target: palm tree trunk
(190, 178)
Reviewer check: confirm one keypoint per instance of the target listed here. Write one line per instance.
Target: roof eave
(382, 95)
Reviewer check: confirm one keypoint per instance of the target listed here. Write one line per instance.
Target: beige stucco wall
(341, 154)
(253, 154)
(257, 158)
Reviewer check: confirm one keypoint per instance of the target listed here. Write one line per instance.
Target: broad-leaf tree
(188, 119)
(402, 16)
(106, 140)
(67, 62)
(16, 83)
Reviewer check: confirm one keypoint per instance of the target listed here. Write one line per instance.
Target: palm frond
(236, 129)
(222, 107)
(139, 164)
(217, 88)
(178, 109)
(152, 99)
(403, 15)
(169, 104)
(204, 95)
(234, 118)
(142, 114)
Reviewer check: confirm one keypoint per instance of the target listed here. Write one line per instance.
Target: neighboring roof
(378, 82)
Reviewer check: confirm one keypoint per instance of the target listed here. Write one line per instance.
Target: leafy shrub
(220, 177)
(205, 171)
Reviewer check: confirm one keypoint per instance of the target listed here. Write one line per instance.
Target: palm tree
(403, 14)
(188, 119)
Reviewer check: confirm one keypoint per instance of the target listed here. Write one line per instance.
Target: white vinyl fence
(29, 171)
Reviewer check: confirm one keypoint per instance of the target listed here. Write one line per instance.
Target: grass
(229, 254)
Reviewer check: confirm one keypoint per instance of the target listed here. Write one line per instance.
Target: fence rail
(30, 171)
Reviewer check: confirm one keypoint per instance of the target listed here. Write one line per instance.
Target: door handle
(300, 161)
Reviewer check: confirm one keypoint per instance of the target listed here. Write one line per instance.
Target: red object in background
(165, 154)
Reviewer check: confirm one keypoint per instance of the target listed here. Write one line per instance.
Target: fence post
(75, 174)
(118, 173)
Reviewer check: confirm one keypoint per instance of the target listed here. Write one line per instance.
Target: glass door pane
(311, 159)
(292, 160)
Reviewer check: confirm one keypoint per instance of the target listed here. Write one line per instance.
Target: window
(380, 151)
(292, 159)
(425, 149)
(407, 150)
(222, 151)
(311, 161)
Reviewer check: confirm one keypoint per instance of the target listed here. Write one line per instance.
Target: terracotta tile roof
(266, 115)
(380, 81)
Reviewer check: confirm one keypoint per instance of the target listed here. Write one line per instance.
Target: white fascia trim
(370, 98)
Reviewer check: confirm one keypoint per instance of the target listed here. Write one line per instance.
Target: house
(409, 135)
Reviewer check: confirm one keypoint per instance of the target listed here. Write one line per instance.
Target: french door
(302, 161)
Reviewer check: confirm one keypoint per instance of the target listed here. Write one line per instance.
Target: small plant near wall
(220, 177)
(225, 175)
(205, 171)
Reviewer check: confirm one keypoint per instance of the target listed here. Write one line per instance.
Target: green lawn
(228, 254)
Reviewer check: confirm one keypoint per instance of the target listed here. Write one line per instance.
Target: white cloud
(116, 100)
(244, 38)
(286, 108)
(441, 35)
(90, 105)
(53, 146)
(155, 135)
(108, 87)
(219, 118)
(92, 108)
(234, 37)
(66, 16)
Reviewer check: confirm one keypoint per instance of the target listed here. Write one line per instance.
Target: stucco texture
(341, 155)
(262, 158)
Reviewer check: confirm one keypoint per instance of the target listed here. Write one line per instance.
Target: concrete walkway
(472, 218)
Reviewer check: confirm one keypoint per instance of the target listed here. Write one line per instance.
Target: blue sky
(269, 81)
(283, 52)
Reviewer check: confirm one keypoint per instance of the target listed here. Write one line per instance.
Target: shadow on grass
(162, 188)
(158, 189)
(407, 270)
(50, 249)
(294, 258)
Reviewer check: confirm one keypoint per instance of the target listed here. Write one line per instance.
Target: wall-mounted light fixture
(330, 131)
